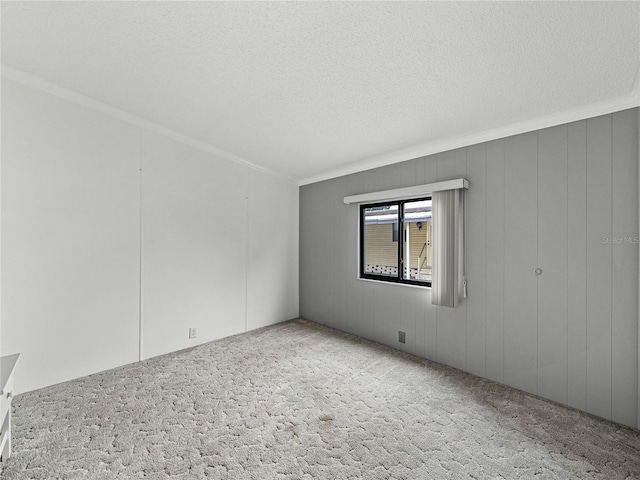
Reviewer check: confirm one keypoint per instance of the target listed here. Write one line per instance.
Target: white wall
(194, 245)
(70, 238)
(85, 197)
(272, 251)
(544, 199)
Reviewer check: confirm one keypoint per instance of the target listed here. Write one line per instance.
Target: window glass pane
(381, 240)
(417, 241)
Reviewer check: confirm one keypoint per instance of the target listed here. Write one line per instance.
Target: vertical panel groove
(437, 308)
(612, 266)
(586, 266)
(537, 260)
(504, 226)
(140, 299)
(247, 223)
(568, 213)
(486, 170)
(464, 260)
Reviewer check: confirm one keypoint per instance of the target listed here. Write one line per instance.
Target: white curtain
(448, 248)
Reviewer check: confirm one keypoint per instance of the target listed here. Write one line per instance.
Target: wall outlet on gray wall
(401, 337)
(193, 332)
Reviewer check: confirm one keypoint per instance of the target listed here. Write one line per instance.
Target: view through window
(395, 241)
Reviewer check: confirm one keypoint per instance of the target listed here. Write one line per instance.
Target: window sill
(395, 284)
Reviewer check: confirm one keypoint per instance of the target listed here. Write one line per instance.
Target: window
(395, 241)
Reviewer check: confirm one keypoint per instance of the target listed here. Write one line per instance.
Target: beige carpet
(300, 401)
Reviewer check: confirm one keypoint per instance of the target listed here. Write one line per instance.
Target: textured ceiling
(310, 88)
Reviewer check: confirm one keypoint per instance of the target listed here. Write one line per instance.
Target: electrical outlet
(193, 332)
(401, 337)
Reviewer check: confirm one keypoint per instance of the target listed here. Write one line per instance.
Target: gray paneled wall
(564, 199)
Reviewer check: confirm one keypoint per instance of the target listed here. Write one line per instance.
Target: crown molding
(421, 150)
(88, 102)
(416, 151)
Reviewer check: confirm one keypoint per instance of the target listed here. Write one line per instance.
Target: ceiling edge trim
(98, 106)
(421, 150)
